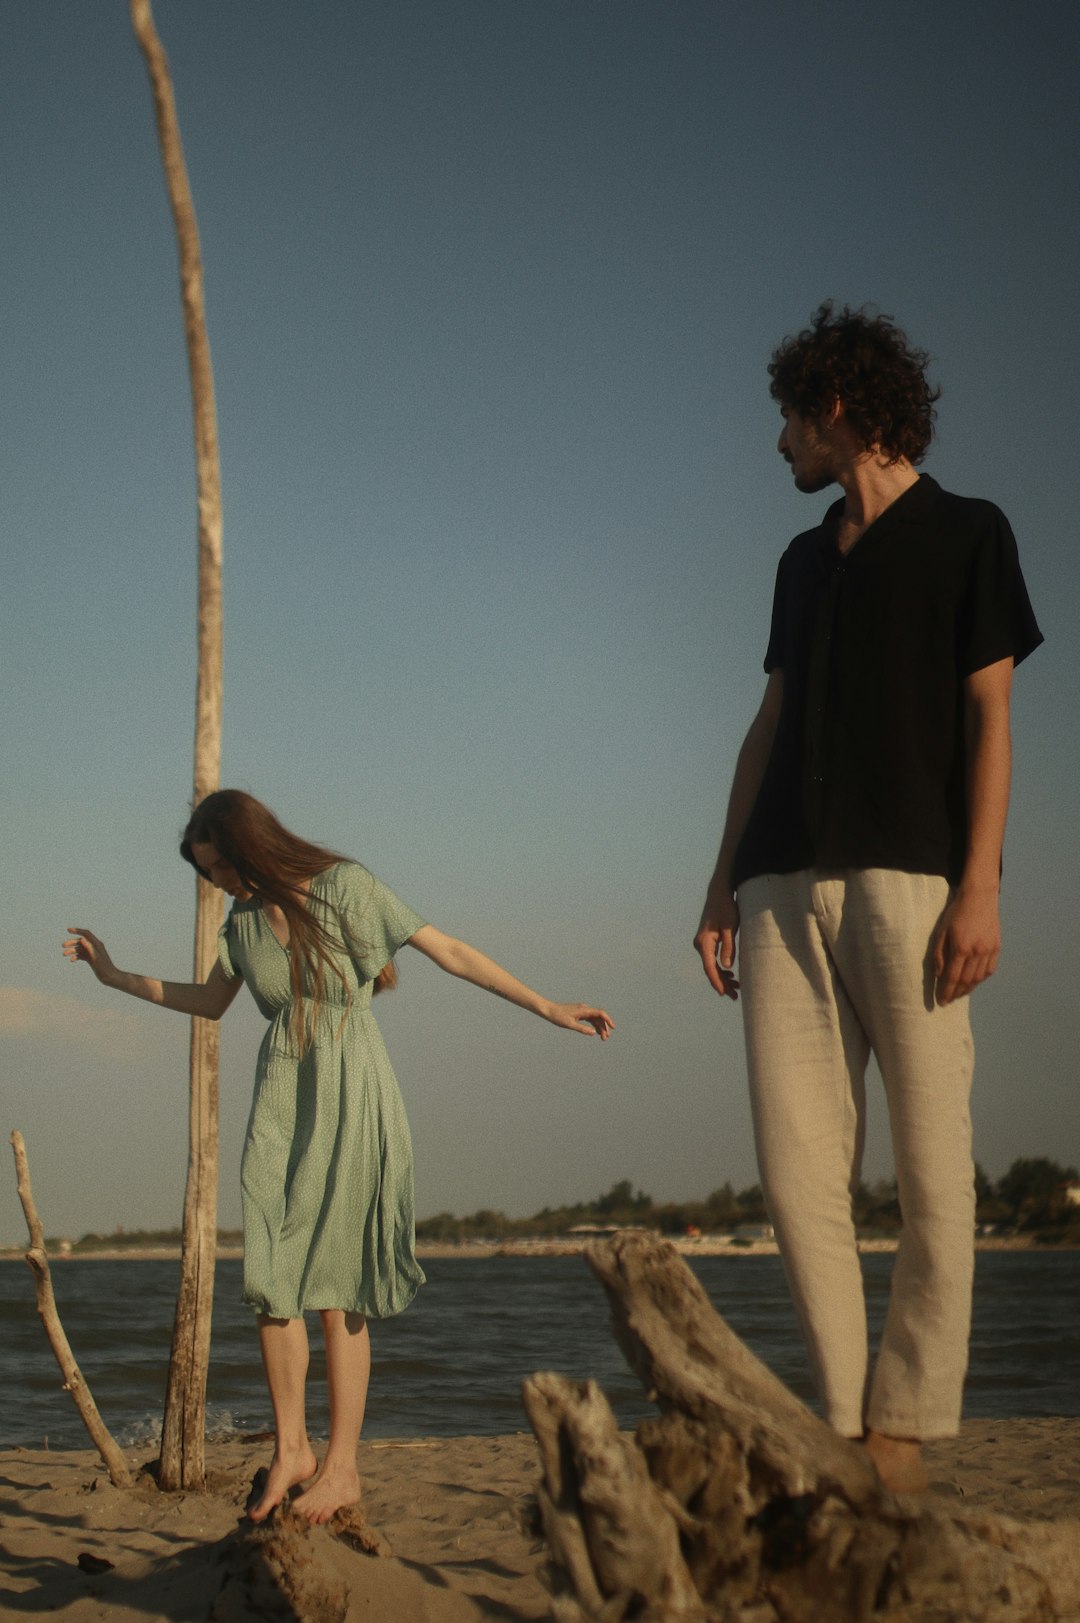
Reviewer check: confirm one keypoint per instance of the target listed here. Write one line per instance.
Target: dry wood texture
(736, 1505)
(183, 1463)
(38, 1261)
(275, 1570)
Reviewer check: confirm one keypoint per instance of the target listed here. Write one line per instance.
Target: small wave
(144, 1432)
(222, 1423)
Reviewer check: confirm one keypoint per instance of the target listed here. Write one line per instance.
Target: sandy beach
(456, 1515)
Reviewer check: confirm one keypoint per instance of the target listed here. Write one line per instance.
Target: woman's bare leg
(348, 1366)
(284, 1347)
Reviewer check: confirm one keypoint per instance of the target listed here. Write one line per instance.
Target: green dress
(327, 1167)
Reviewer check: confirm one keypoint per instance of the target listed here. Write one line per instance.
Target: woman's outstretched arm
(210, 1000)
(459, 959)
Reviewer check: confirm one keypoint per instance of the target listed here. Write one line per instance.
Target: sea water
(454, 1362)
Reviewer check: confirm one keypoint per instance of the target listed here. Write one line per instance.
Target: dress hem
(297, 1311)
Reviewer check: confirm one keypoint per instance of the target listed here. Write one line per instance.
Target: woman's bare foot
(287, 1469)
(898, 1462)
(337, 1486)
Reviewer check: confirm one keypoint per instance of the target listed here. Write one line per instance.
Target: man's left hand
(968, 943)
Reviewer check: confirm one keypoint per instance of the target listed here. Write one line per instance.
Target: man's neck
(870, 484)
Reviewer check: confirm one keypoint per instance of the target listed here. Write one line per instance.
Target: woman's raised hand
(582, 1017)
(82, 946)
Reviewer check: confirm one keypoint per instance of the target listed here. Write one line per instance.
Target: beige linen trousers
(835, 966)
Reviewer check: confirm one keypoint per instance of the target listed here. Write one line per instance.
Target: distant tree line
(122, 1239)
(1032, 1197)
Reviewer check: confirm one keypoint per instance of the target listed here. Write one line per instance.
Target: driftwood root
(736, 1505)
(273, 1568)
(603, 1511)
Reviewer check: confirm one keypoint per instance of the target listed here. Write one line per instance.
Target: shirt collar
(909, 508)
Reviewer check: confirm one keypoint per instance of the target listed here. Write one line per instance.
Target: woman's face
(222, 874)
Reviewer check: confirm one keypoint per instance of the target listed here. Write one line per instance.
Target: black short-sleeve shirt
(867, 766)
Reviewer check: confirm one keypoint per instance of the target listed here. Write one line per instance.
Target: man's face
(806, 446)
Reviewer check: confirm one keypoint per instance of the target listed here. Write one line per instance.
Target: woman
(327, 1165)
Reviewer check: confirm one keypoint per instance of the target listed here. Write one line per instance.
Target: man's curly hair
(867, 363)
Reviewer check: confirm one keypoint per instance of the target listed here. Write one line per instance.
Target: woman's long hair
(275, 865)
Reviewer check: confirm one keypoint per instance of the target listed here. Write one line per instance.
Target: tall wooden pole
(183, 1463)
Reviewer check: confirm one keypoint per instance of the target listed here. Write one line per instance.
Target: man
(861, 857)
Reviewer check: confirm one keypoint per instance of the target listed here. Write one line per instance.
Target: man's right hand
(715, 942)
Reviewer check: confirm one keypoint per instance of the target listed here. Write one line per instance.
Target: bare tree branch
(38, 1262)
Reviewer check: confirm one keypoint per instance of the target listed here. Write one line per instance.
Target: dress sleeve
(224, 951)
(374, 922)
(998, 619)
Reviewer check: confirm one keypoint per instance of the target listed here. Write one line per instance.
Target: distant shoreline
(479, 1250)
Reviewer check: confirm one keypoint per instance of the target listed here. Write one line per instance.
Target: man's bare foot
(337, 1486)
(898, 1462)
(286, 1471)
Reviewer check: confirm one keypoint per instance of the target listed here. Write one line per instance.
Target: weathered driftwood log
(38, 1262)
(271, 1573)
(613, 1529)
(274, 1570)
(737, 1505)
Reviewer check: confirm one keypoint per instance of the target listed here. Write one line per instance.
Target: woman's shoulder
(241, 914)
(343, 880)
(235, 936)
(342, 872)
(360, 895)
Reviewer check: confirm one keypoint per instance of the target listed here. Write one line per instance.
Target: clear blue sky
(491, 291)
